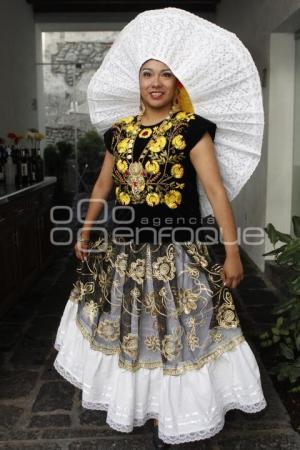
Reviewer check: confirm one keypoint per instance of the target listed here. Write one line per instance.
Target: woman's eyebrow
(163, 70)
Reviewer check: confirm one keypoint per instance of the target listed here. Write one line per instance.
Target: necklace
(136, 174)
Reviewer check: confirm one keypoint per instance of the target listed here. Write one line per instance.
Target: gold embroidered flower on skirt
(164, 268)
(109, 329)
(137, 270)
(130, 344)
(152, 343)
(155, 305)
(171, 345)
(187, 300)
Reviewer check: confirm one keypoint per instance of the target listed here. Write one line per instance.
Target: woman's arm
(204, 160)
(101, 191)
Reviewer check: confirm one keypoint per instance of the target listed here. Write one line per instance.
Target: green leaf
(297, 341)
(275, 251)
(275, 331)
(287, 352)
(295, 389)
(296, 225)
(279, 321)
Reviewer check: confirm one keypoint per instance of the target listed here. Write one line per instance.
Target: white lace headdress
(216, 70)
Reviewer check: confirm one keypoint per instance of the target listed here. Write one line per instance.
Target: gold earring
(176, 101)
(142, 106)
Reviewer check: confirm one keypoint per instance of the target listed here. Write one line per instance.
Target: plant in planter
(52, 160)
(285, 332)
(90, 156)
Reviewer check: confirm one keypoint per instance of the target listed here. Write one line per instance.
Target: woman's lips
(156, 94)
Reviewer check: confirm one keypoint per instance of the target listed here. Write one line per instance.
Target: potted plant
(284, 334)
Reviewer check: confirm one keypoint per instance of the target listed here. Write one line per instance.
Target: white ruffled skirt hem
(189, 407)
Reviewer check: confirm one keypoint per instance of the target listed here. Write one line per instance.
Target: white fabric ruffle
(189, 407)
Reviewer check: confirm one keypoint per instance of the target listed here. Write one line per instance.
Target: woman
(150, 329)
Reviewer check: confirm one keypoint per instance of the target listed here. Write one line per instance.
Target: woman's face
(157, 84)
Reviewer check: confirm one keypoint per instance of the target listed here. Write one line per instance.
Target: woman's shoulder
(197, 119)
(197, 126)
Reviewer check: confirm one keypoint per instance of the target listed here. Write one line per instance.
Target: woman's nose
(156, 82)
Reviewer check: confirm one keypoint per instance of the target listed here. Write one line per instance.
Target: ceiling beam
(87, 6)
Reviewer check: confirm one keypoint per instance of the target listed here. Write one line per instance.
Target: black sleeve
(107, 136)
(197, 128)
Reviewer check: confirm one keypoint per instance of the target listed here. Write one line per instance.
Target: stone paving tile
(54, 395)
(32, 446)
(9, 416)
(16, 383)
(43, 327)
(10, 333)
(30, 353)
(47, 421)
(48, 371)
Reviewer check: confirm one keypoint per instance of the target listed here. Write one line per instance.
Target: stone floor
(39, 410)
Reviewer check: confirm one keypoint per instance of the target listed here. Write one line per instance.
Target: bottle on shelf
(3, 159)
(32, 166)
(17, 159)
(39, 165)
(10, 168)
(24, 167)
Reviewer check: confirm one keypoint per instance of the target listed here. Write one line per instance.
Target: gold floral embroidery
(179, 370)
(152, 343)
(91, 310)
(152, 167)
(121, 262)
(122, 145)
(187, 300)
(109, 329)
(152, 199)
(193, 341)
(226, 316)
(149, 303)
(179, 142)
(216, 336)
(126, 120)
(80, 289)
(173, 199)
(145, 133)
(177, 171)
(122, 165)
(164, 268)
(158, 145)
(197, 292)
(130, 344)
(137, 270)
(171, 344)
(123, 198)
(156, 181)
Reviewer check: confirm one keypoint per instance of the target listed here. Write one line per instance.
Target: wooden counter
(25, 248)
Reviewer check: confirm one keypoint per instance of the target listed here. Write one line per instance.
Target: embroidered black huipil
(169, 195)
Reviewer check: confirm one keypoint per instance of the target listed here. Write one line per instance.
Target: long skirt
(150, 331)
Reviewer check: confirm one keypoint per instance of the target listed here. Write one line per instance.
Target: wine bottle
(24, 167)
(39, 165)
(17, 158)
(32, 166)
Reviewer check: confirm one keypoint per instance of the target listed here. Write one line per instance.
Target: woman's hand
(233, 272)
(81, 250)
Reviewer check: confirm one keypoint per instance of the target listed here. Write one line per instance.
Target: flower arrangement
(15, 137)
(35, 137)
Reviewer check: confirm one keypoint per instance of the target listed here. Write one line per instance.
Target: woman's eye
(167, 74)
(146, 73)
